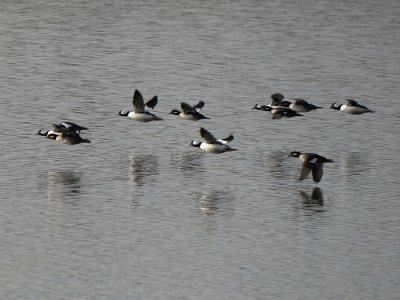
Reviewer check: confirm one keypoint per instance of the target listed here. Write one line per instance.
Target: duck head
(42, 133)
(175, 112)
(295, 154)
(124, 113)
(195, 143)
(336, 107)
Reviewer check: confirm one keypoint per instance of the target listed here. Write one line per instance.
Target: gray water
(138, 213)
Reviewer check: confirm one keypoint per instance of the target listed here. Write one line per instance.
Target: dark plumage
(190, 112)
(74, 127)
(301, 105)
(276, 99)
(311, 163)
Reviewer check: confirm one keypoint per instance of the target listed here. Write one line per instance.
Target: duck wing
(187, 109)
(227, 139)
(199, 105)
(274, 102)
(354, 103)
(285, 104)
(208, 137)
(73, 126)
(312, 106)
(287, 112)
(138, 102)
(305, 104)
(317, 172)
(324, 159)
(305, 169)
(65, 131)
(152, 102)
(351, 102)
(276, 99)
(60, 128)
(300, 101)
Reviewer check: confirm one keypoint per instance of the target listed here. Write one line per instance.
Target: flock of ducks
(69, 133)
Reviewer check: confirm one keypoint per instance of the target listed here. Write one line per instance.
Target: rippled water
(138, 213)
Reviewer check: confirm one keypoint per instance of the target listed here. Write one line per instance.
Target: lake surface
(138, 213)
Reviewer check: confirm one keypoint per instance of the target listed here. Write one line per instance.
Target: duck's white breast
(353, 110)
(212, 148)
(141, 117)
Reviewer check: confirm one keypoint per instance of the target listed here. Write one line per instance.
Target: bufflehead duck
(352, 107)
(57, 128)
(139, 112)
(211, 144)
(278, 112)
(65, 133)
(301, 105)
(190, 112)
(276, 100)
(311, 162)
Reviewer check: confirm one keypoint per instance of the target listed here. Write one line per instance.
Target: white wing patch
(313, 160)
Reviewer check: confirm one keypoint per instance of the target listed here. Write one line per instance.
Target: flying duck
(57, 128)
(311, 162)
(352, 107)
(211, 144)
(276, 101)
(190, 112)
(278, 112)
(65, 132)
(140, 113)
(301, 105)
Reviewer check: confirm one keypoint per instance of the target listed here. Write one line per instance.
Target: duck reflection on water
(275, 162)
(142, 166)
(191, 162)
(315, 199)
(354, 164)
(63, 183)
(215, 199)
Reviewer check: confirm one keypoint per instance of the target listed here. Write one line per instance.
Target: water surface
(138, 213)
